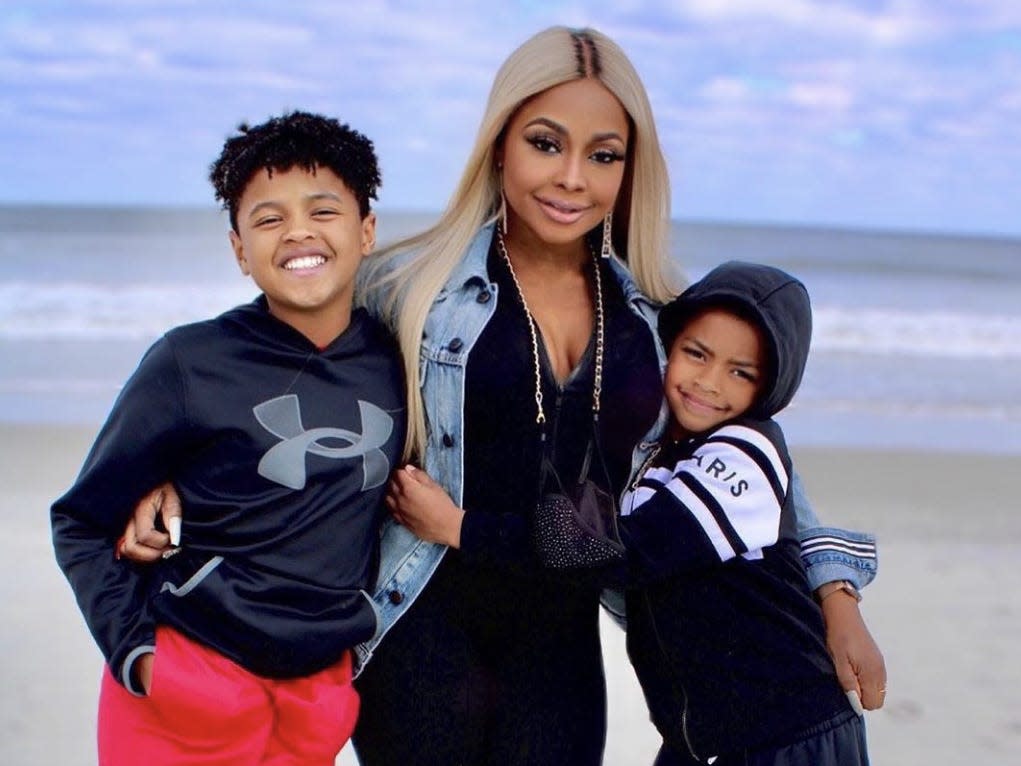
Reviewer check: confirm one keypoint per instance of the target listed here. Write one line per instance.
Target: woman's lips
(562, 212)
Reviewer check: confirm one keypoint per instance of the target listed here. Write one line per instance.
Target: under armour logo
(285, 463)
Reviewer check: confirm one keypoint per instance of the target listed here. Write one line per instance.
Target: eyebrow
(315, 197)
(561, 130)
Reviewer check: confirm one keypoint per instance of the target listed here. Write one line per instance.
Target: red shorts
(205, 709)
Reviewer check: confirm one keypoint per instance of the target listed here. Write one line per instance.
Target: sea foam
(82, 311)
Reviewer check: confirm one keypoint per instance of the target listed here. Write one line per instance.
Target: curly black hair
(297, 139)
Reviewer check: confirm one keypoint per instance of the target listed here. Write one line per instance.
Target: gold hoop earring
(607, 249)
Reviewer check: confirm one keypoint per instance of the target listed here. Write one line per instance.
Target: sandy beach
(946, 608)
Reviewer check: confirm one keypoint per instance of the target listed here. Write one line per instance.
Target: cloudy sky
(897, 114)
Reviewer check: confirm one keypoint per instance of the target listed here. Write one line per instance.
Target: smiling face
(563, 157)
(301, 239)
(714, 372)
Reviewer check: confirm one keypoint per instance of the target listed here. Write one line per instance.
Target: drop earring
(607, 249)
(502, 213)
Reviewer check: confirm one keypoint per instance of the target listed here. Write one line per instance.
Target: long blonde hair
(411, 272)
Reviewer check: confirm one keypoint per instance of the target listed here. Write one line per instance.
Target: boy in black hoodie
(278, 423)
(727, 641)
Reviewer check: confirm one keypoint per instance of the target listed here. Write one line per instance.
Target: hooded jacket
(726, 638)
(281, 453)
(770, 298)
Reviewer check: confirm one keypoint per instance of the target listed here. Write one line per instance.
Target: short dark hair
(297, 139)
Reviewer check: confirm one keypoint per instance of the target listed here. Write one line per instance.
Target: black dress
(498, 661)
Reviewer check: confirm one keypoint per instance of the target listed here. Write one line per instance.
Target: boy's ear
(368, 233)
(239, 253)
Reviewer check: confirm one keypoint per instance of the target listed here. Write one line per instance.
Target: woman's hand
(859, 663)
(423, 506)
(143, 540)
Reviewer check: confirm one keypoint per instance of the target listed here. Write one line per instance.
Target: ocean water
(917, 338)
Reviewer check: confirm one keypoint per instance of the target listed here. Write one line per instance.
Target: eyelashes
(551, 144)
(547, 144)
(607, 156)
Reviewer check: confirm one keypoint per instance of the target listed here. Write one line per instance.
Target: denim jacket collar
(472, 266)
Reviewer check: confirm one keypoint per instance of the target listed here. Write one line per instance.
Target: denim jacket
(455, 322)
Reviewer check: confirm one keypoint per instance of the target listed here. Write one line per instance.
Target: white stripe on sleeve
(741, 489)
(763, 444)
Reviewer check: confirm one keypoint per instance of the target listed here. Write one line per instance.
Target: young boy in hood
(278, 422)
(727, 641)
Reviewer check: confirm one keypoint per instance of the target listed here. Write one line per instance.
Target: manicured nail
(855, 700)
(174, 528)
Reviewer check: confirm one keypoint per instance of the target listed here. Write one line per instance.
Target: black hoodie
(281, 453)
(726, 638)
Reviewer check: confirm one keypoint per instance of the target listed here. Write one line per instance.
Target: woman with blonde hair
(414, 271)
(526, 316)
(527, 320)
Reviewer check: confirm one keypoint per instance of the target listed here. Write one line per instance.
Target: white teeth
(305, 262)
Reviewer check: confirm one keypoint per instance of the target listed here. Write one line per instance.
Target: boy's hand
(146, 538)
(423, 506)
(143, 671)
(859, 663)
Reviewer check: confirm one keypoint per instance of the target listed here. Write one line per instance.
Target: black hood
(773, 299)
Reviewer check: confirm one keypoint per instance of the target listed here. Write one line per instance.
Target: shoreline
(944, 609)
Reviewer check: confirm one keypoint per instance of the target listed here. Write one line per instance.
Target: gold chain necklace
(597, 385)
(646, 464)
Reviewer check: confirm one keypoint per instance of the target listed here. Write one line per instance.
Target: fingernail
(174, 528)
(855, 700)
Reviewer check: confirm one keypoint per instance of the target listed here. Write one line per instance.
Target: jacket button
(395, 597)
(448, 440)
(484, 296)
(455, 345)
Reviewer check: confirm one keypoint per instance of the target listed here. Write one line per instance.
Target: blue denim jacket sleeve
(830, 553)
